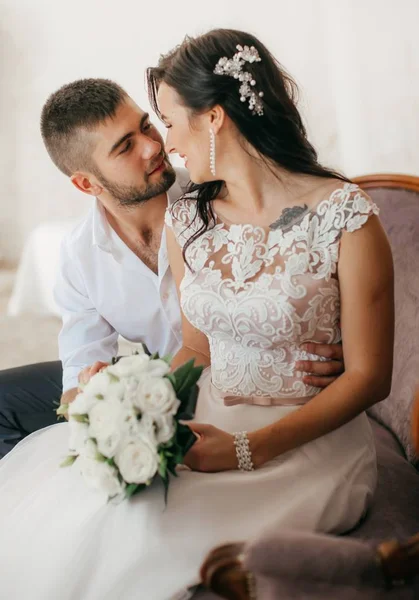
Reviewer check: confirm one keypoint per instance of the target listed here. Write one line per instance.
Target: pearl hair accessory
(234, 68)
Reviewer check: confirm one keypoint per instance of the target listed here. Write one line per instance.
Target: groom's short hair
(70, 113)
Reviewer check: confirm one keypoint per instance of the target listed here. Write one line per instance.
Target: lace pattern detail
(258, 294)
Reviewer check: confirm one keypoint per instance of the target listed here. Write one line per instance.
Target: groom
(114, 278)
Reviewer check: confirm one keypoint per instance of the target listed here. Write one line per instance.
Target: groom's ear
(217, 118)
(86, 183)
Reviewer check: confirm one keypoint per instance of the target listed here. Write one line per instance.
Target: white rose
(164, 429)
(129, 426)
(102, 384)
(156, 397)
(82, 404)
(130, 391)
(147, 428)
(100, 476)
(128, 366)
(138, 461)
(157, 368)
(159, 431)
(138, 347)
(108, 444)
(78, 435)
(105, 425)
(89, 449)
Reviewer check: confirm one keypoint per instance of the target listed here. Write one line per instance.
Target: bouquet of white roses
(125, 425)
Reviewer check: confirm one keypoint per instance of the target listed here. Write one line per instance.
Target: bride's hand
(213, 451)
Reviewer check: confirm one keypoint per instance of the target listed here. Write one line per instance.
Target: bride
(270, 251)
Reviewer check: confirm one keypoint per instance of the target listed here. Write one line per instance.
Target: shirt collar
(101, 228)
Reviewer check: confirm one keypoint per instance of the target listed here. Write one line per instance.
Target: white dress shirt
(104, 290)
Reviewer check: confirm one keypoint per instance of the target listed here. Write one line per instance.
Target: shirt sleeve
(85, 336)
(168, 217)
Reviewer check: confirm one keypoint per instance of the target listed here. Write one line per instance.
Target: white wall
(356, 60)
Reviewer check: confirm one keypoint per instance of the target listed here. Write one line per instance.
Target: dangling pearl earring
(212, 152)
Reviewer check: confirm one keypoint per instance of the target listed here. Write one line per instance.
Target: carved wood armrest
(399, 561)
(224, 574)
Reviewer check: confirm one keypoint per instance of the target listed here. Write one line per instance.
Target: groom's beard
(129, 196)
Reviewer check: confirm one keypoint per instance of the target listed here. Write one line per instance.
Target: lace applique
(258, 294)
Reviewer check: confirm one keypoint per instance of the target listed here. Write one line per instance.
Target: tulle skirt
(60, 539)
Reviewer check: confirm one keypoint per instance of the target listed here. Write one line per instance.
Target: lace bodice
(258, 294)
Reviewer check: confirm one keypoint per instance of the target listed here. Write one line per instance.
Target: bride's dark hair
(279, 136)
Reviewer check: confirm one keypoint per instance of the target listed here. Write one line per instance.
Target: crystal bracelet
(243, 453)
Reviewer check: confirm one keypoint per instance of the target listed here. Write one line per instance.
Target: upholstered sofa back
(399, 212)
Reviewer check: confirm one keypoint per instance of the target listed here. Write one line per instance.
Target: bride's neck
(255, 184)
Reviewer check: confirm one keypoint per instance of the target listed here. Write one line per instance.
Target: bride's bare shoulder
(322, 188)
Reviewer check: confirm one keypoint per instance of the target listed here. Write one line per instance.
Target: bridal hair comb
(234, 68)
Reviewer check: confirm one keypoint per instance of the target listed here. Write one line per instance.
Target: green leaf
(190, 380)
(179, 456)
(182, 373)
(185, 439)
(154, 356)
(166, 487)
(130, 490)
(80, 418)
(99, 457)
(111, 462)
(163, 466)
(172, 469)
(134, 488)
(146, 350)
(62, 410)
(100, 396)
(69, 460)
(172, 380)
(112, 377)
(188, 400)
(167, 358)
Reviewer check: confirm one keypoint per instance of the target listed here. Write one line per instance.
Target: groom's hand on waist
(322, 373)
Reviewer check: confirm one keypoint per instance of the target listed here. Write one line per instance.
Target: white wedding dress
(257, 294)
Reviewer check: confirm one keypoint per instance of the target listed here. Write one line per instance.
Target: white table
(33, 289)
(35, 278)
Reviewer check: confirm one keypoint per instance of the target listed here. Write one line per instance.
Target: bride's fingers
(188, 424)
(200, 428)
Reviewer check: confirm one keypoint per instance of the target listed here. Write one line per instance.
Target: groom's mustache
(157, 162)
